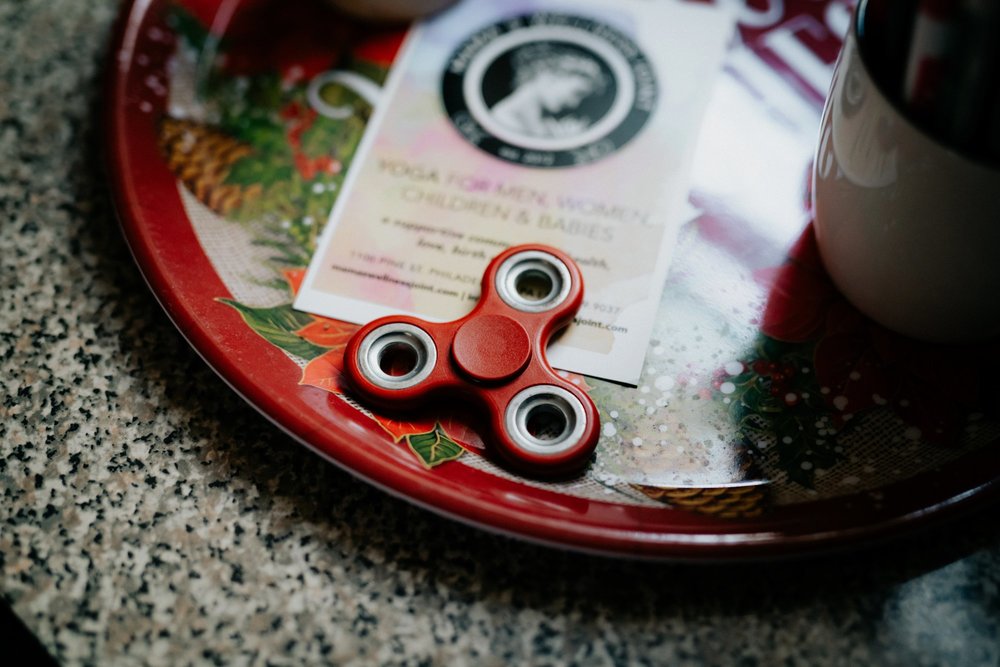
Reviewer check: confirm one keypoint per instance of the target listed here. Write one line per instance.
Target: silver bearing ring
(545, 419)
(533, 281)
(397, 345)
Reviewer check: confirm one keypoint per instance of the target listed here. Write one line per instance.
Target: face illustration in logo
(548, 81)
(549, 90)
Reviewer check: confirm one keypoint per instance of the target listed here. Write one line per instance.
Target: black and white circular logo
(549, 90)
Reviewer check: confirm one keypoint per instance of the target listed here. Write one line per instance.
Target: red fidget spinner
(493, 357)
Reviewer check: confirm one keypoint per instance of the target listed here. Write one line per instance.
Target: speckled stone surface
(148, 516)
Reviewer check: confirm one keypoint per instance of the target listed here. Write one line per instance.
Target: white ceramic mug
(908, 229)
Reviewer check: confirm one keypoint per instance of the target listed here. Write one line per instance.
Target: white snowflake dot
(664, 383)
(733, 367)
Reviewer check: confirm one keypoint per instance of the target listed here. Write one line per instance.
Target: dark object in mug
(938, 61)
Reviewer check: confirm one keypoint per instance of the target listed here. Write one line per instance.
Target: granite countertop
(150, 516)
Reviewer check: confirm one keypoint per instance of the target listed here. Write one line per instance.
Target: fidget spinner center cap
(491, 348)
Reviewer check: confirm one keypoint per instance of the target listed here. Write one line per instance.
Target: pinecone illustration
(201, 156)
(743, 500)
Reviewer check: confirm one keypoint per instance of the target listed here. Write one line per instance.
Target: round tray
(771, 418)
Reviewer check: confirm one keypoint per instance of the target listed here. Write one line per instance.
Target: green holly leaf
(337, 138)
(265, 93)
(434, 447)
(339, 96)
(777, 396)
(278, 326)
(373, 71)
(262, 131)
(802, 450)
(187, 28)
(253, 171)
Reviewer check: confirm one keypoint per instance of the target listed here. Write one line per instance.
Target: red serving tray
(778, 421)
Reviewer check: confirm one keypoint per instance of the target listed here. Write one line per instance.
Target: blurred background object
(391, 10)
